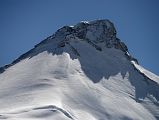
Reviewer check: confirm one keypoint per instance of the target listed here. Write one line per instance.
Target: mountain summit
(82, 72)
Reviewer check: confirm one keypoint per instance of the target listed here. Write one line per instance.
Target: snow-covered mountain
(82, 72)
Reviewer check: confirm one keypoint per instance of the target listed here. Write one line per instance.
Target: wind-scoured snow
(79, 73)
(147, 73)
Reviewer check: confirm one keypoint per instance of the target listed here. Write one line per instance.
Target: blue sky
(24, 23)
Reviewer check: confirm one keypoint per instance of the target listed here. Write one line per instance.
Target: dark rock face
(97, 32)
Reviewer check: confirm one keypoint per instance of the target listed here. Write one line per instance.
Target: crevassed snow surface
(56, 83)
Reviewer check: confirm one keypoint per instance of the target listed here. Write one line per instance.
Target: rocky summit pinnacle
(97, 32)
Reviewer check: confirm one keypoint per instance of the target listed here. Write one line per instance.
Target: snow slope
(82, 72)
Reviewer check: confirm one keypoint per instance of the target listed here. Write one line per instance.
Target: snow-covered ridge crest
(98, 33)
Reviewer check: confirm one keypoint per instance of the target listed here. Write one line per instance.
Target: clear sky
(24, 23)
